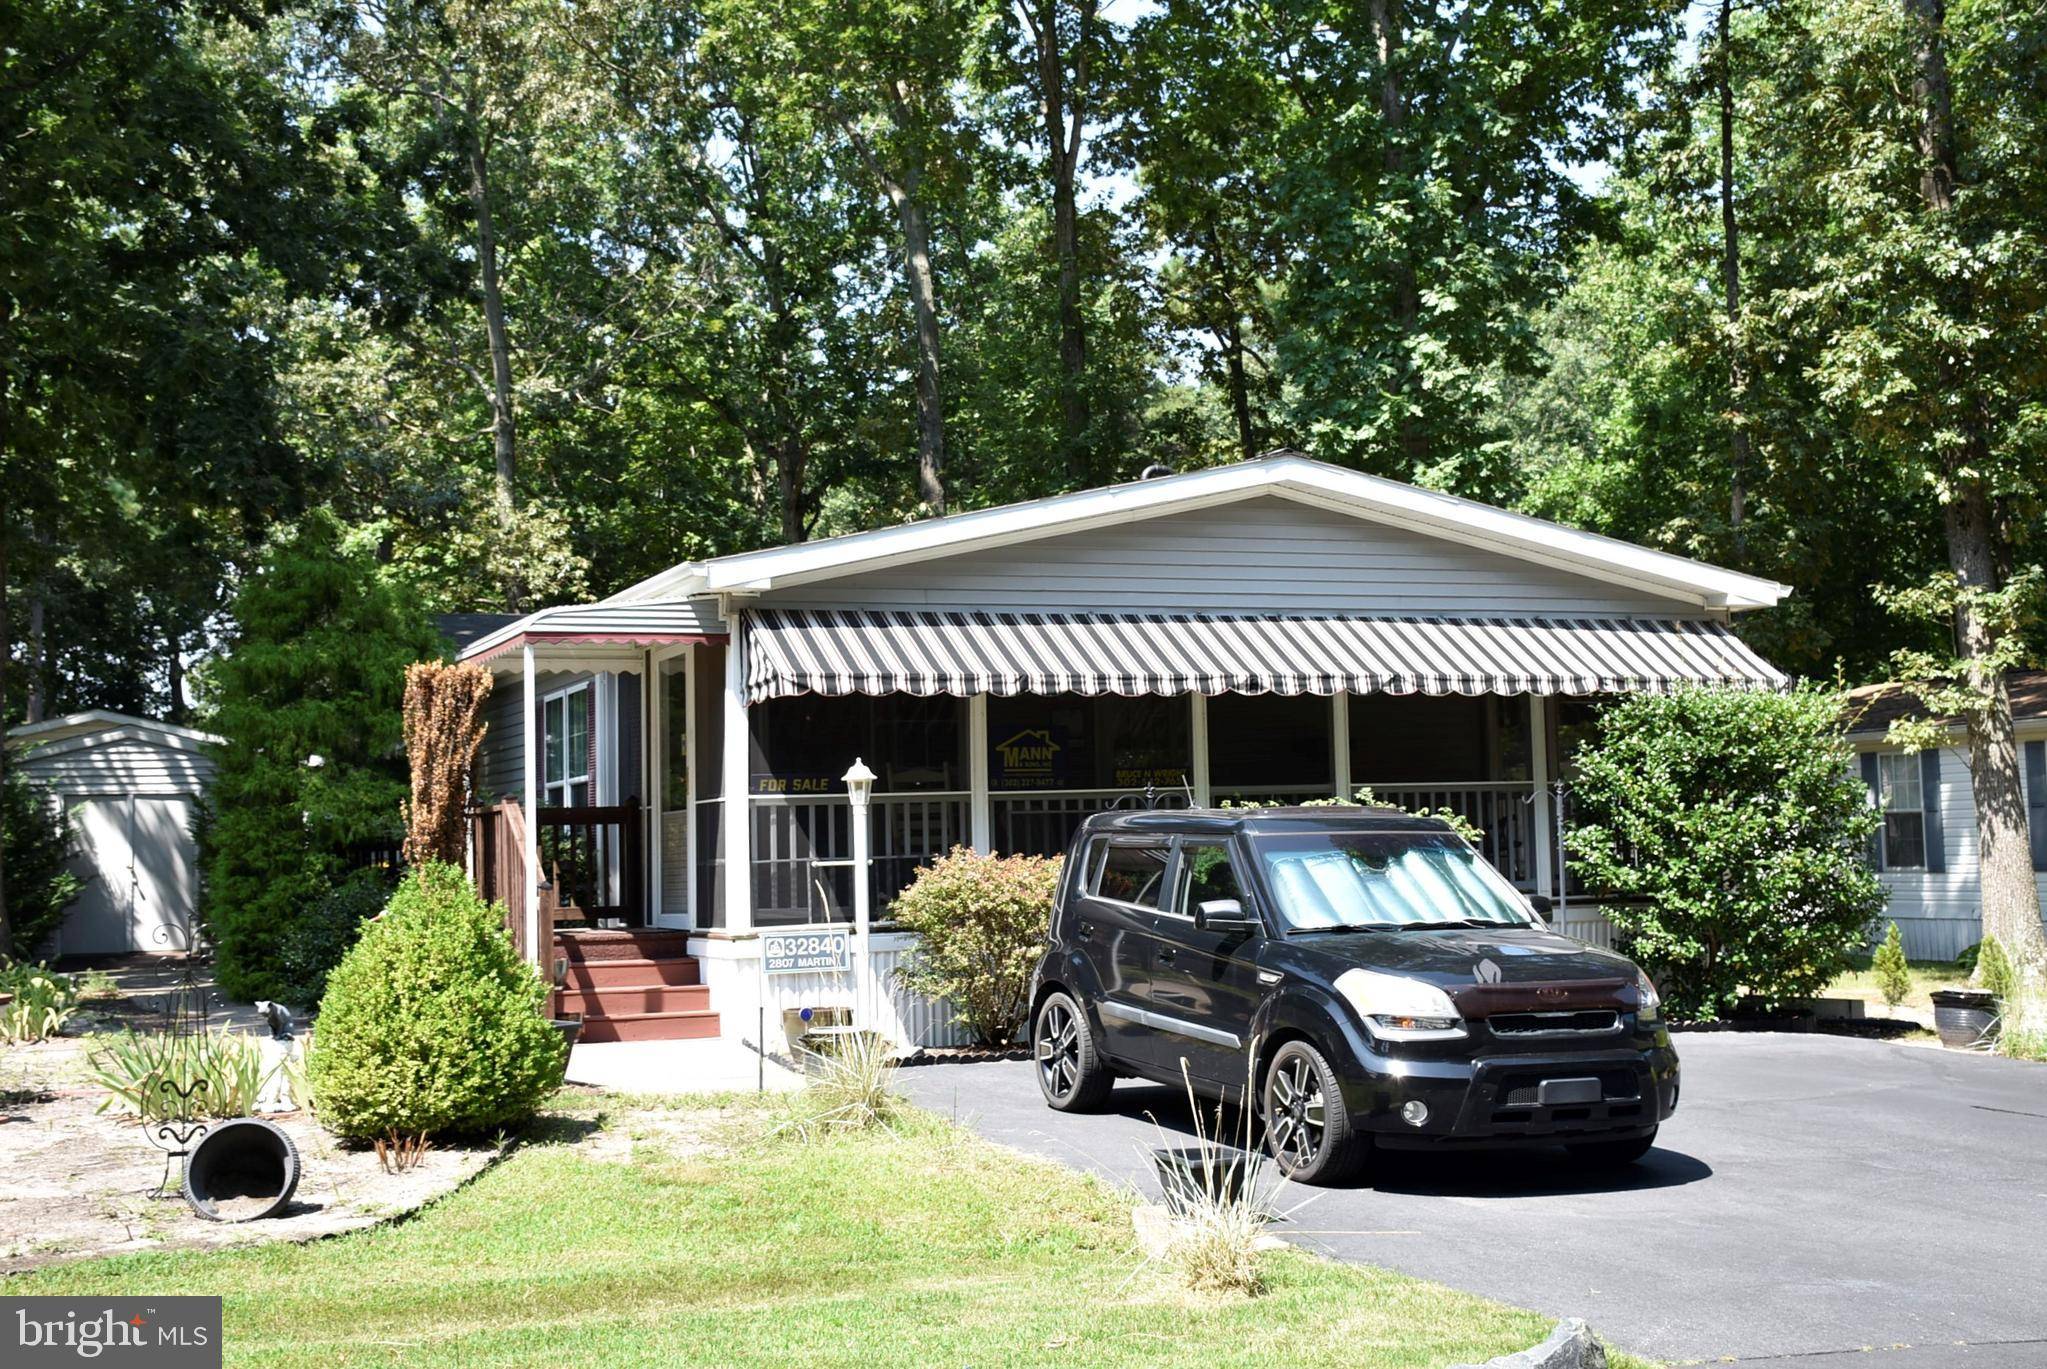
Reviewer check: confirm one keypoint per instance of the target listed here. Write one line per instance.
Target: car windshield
(1372, 880)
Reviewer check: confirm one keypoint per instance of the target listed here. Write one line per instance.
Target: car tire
(1611, 1154)
(1071, 1072)
(1300, 1086)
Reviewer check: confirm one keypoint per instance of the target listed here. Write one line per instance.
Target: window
(1269, 741)
(1903, 799)
(1065, 741)
(675, 741)
(1131, 873)
(803, 744)
(566, 728)
(1205, 875)
(1345, 879)
(1418, 739)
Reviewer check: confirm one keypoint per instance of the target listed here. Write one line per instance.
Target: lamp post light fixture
(859, 789)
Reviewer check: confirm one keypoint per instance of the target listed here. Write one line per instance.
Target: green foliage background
(316, 669)
(38, 839)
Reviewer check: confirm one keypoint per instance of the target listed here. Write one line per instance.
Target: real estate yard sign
(806, 952)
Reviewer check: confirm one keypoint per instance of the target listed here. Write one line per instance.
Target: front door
(1204, 983)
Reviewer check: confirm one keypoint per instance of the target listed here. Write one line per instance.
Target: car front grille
(1549, 1023)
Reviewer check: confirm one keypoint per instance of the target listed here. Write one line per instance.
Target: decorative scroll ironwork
(174, 1114)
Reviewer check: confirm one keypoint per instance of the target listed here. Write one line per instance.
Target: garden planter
(1965, 1018)
(244, 1169)
(1192, 1177)
(571, 1027)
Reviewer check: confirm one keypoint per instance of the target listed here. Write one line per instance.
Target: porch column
(738, 824)
(1538, 773)
(536, 738)
(1198, 735)
(980, 811)
(1339, 742)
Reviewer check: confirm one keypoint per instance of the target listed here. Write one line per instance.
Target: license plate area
(1553, 1093)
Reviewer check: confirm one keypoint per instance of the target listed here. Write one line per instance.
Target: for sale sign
(806, 952)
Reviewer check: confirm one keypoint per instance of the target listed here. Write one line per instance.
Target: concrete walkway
(713, 1066)
(1814, 1198)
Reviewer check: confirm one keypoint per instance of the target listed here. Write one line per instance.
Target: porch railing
(797, 842)
(1043, 824)
(1503, 810)
(595, 858)
(497, 866)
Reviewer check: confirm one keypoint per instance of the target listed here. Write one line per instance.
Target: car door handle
(1166, 956)
(1086, 931)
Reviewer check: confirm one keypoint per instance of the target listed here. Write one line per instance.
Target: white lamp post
(859, 788)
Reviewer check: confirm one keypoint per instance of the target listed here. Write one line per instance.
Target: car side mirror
(1223, 915)
(1542, 903)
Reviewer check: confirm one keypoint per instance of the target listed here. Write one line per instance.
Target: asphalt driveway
(1813, 1195)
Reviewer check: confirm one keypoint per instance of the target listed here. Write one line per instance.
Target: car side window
(1206, 874)
(1131, 872)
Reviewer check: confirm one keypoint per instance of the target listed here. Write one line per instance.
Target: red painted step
(662, 1026)
(626, 1000)
(605, 974)
(633, 985)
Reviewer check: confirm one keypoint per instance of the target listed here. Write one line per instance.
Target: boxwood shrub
(431, 1023)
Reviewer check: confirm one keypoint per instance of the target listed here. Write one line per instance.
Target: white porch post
(1339, 742)
(980, 811)
(738, 823)
(1198, 703)
(536, 738)
(1538, 774)
(650, 796)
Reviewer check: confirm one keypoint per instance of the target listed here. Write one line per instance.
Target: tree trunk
(502, 433)
(924, 304)
(1240, 389)
(174, 675)
(1386, 21)
(6, 650)
(1738, 452)
(2011, 898)
(1063, 145)
(35, 668)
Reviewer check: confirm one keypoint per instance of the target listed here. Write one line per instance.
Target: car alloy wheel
(1058, 1049)
(1299, 1113)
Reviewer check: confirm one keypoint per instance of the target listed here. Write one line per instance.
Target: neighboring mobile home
(130, 788)
(1927, 848)
(1278, 629)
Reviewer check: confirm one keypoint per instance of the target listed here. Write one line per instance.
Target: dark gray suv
(1362, 974)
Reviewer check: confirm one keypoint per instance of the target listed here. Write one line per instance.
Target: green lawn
(704, 1244)
(1927, 975)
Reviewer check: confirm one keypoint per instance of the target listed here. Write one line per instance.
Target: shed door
(140, 866)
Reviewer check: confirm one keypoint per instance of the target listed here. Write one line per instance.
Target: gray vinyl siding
(1262, 555)
(120, 767)
(501, 761)
(1940, 915)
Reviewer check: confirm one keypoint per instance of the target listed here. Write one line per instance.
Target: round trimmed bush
(431, 1023)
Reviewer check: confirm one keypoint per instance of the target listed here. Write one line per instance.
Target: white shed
(131, 789)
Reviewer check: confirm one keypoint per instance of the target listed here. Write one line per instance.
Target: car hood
(1468, 962)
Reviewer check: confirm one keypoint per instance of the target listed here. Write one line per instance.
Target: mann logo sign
(808, 952)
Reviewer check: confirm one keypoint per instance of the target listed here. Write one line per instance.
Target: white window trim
(570, 778)
(1908, 761)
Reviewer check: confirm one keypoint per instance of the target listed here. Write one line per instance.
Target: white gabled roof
(96, 725)
(1286, 475)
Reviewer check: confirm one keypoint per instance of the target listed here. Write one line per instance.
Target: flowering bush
(984, 921)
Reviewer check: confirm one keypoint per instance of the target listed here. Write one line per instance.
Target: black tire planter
(571, 1028)
(241, 1171)
(1965, 1018)
(1196, 1176)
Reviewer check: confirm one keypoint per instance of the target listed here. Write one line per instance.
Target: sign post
(859, 789)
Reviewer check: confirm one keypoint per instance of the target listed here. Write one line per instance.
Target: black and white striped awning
(797, 651)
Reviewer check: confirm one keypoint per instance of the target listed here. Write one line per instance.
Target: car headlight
(1649, 1003)
(1396, 1008)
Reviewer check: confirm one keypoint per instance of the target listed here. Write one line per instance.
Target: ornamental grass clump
(178, 1077)
(851, 1088)
(432, 1024)
(983, 921)
(39, 1003)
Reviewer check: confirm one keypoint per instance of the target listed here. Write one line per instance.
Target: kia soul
(1362, 975)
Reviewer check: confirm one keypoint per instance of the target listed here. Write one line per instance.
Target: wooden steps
(637, 985)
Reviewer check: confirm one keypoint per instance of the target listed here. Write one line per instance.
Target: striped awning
(797, 651)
